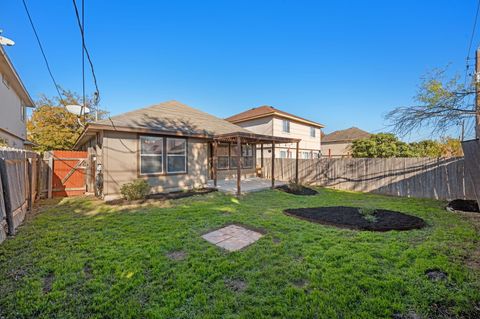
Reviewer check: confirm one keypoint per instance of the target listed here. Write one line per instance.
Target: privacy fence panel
(18, 187)
(442, 178)
(471, 149)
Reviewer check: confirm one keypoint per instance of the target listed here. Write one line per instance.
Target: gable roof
(265, 110)
(350, 134)
(8, 71)
(170, 117)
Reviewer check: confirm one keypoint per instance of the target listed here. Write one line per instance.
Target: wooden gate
(69, 173)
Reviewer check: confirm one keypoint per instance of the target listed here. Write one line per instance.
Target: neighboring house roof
(348, 135)
(172, 117)
(263, 111)
(11, 76)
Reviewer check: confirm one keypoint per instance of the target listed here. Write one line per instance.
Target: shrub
(137, 189)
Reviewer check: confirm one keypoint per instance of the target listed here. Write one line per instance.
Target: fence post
(50, 176)
(6, 197)
(30, 184)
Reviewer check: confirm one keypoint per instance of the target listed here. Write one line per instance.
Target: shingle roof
(266, 110)
(172, 116)
(350, 134)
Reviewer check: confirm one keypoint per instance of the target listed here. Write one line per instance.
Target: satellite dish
(77, 109)
(6, 41)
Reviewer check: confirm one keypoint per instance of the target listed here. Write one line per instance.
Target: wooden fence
(471, 149)
(18, 187)
(442, 178)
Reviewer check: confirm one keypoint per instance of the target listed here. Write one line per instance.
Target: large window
(227, 156)
(247, 156)
(312, 132)
(286, 126)
(159, 155)
(151, 155)
(223, 156)
(176, 155)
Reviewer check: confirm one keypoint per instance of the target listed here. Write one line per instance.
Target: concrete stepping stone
(232, 237)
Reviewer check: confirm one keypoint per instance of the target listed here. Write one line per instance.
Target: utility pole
(477, 93)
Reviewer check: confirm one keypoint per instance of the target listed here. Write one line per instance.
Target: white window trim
(176, 155)
(151, 155)
(288, 126)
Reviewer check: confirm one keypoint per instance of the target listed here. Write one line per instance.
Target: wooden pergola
(240, 138)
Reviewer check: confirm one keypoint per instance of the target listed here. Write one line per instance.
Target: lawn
(80, 258)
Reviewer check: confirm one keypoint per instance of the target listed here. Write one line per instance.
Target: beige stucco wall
(120, 165)
(271, 125)
(12, 126)
(337, 149)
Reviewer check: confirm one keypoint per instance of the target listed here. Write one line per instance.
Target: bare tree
(442, 104)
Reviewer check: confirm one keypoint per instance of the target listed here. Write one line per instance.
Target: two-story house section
(268, 120)
(14, 99)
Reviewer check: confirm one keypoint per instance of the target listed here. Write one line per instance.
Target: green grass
(79, 258)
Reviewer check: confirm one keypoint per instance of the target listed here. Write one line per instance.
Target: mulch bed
(352, 218)
(163, 196)
(464, 205)
(300, 190)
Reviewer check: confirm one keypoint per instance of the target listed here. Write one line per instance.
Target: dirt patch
(18, 274)
(297, 190)
(464, 205)
(353, 218)
(177, 255)
(162, 197)
(88, 271)
(276, 240)
(48, 282)
(409, 315)
(436, 274)
(300, 283)
(236, 285)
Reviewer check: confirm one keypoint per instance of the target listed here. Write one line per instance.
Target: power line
(43, 52)
(473, 31)
(86, 50)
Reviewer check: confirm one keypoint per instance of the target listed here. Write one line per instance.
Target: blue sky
(341, 63)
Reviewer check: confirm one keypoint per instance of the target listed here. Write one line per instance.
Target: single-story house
(172, 146)
(338, 143)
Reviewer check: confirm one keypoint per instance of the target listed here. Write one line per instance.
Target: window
(247, 156)
(286, 126)
(306, 155)
(23, 112)
(312, 132)
(222, 156)
(151, 155)
(283, 154)
(176, 155)
(233, 156)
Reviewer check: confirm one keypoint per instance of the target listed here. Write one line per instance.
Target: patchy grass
(80, 258)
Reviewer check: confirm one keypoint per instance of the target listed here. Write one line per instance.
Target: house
(268, 120)
(14, 99)
(172, 146)
(338, 143)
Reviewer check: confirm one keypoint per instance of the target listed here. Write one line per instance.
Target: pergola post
(261, 155)
(215, 163)
(273, 164)
(239, 172)
(296, 164)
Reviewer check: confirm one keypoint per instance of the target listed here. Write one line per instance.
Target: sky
(340, 63)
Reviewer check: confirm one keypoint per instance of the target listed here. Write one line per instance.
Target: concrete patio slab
(247, 185)
(232, 237)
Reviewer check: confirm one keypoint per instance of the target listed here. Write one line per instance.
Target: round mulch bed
(356, 218)
(299, 190)
(464, 205)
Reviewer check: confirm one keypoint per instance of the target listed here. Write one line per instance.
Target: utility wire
(97, 97)
(43, 52)
(83, 57)
(471, 42)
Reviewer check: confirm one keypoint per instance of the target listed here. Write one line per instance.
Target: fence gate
(69, 173)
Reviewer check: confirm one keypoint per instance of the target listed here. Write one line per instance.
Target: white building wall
(12, 124)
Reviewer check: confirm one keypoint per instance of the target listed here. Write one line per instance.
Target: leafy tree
(51, 126)
(388, 145)
(442, 104)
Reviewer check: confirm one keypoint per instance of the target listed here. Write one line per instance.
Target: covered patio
(239, 138)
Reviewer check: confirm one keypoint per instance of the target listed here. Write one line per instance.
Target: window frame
(164, 156)
(230, 157)
(313, 132)
(175, 155)
(285, 123)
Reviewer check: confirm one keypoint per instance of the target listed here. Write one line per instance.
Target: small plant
(294, 186)
(135, 190)
(368, 214)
